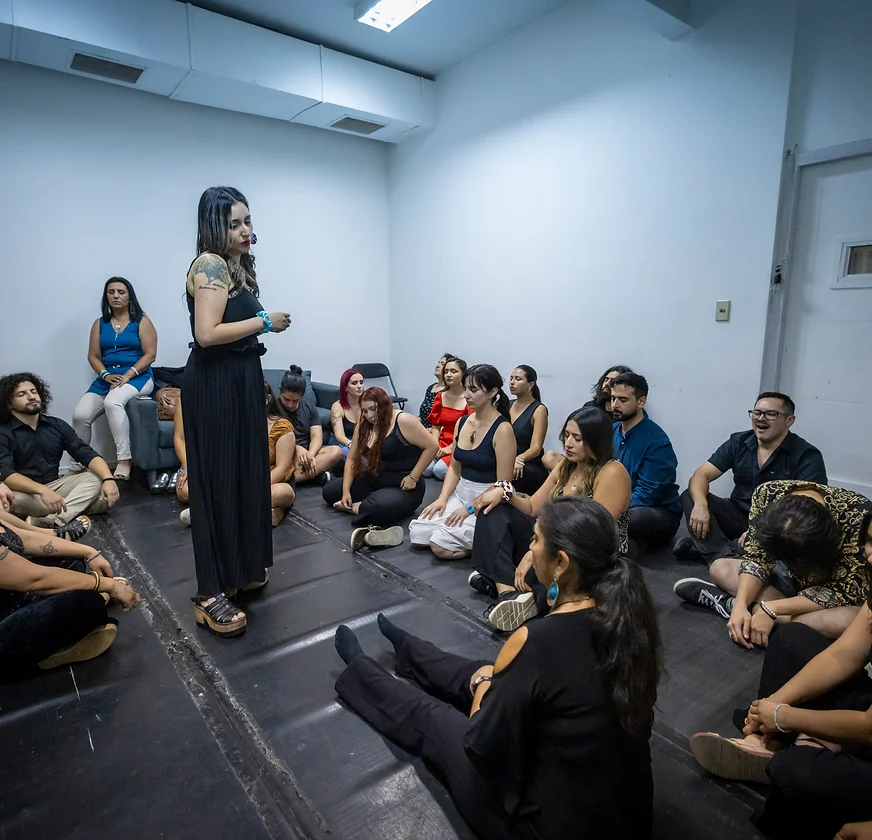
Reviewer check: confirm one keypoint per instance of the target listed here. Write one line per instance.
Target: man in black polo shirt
(31, 447)
(768, 452)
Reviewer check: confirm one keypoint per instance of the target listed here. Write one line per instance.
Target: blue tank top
(120, 351)
(479, 464)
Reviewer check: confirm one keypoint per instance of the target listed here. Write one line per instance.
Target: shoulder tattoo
(210, 273)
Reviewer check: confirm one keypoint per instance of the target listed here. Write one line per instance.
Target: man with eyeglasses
(768, 452)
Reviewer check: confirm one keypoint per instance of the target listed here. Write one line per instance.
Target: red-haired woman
(345, 412)
(382, 483)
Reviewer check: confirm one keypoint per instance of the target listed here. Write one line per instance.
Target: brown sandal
(730, 758)
(218, 616)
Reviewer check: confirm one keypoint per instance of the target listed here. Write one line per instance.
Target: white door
(826, 364)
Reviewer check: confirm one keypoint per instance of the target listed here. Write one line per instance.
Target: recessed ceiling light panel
(387, 15)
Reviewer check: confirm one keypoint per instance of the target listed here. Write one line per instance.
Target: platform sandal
(218, 616)
(75, 529)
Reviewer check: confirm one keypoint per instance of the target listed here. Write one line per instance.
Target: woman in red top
(448, 407)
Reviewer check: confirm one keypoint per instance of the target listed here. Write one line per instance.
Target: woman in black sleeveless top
(530, 423)
(812, 692)
(550, 741)
(382, 483)
(225, 413)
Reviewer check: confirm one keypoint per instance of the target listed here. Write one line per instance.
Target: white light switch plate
(722, 310)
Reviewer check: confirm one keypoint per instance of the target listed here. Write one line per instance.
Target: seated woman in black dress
(530, 422)
(52, 616)
(810, 733)
(382, 483)
(552, 739)
(602, 399)
(499, 551)
(432, 390)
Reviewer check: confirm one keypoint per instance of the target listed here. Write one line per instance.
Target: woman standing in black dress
(225, 414)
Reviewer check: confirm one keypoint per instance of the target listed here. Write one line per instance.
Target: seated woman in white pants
(122, 346)
(484, 453)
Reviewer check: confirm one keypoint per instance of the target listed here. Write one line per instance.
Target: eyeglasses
(756, 414)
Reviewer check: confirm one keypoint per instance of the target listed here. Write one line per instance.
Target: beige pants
(80, 491)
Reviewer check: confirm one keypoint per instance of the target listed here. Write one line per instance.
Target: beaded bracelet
(508, 489)
(768, 610)
(267, 324)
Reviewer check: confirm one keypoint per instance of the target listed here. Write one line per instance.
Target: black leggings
(502, 538)
(533, 478)
(382, 501)
(47, 625)
(654, 526)
(812, 791)
(428, 719)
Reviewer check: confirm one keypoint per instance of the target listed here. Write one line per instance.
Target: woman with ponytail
(484, 454)
(499, 553)
(530, 424)
(550, 741)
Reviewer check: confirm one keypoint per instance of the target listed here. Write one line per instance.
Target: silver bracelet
(768, 610)
(775, 718)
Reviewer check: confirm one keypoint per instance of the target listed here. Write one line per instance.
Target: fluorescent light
(387, 15)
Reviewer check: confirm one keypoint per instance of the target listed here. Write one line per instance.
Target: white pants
(458, 537)
(114, 404)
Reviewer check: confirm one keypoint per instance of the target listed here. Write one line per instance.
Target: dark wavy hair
(600, 396)
(802, 534)
(460, 363)
(626, 636)
(293, 381)
(533, 378)
(598, 435)
(134, 309)
(371, 436)
(272, 409)
(9, 383)
(213, 222)
(487, 377)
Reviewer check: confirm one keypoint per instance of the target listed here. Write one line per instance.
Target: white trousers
(114, 404)
(455, 538)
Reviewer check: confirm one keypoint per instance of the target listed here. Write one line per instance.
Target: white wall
(589, 192)
(100, 181)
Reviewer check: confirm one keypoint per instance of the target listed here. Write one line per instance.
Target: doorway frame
(782, 260)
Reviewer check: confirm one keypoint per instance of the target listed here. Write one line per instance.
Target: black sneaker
(686, 551)
(511, 610)
(482, 584)
(701, 593)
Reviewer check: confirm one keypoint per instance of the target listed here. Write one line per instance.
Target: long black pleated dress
(228, 456)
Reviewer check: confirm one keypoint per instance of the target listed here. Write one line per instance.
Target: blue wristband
(267, 324)
(470, 509)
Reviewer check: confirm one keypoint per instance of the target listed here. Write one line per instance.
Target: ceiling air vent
(356, 126)
(105, 69)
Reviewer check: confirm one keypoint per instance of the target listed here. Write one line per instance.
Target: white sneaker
(185, 517)
(511, 610)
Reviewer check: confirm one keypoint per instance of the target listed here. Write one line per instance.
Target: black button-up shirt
(36, 453)
(796, 459)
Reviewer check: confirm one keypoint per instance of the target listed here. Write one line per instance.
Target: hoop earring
(553, 591)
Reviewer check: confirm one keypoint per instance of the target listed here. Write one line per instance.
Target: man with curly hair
(32, 444)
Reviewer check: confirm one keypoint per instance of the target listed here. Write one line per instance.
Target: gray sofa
(151, 439)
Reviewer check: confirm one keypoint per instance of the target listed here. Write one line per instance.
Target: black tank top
(523, 428)
(398, 455)
(479, 464)
(348, 426)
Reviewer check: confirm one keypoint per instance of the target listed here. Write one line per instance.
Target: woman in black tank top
(530, 424)
(551, 740)
(345, 412)
(382, 483)
(225, 413)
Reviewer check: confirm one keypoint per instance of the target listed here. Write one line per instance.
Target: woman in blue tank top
(121, 349)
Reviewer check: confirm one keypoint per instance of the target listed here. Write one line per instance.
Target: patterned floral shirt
(847, 584)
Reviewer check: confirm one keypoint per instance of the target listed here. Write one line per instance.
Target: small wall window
(854, 264)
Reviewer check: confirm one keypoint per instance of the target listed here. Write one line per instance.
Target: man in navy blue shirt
(647, 453)
(768, 452)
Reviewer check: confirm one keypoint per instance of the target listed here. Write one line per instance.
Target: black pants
(654, 526)
(726, 524)
(382, 501)
(502, 538)
(813, 792)
(429, 720)
(47, 625)
(533, 478)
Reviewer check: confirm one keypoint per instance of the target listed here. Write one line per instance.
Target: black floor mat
(321, 769)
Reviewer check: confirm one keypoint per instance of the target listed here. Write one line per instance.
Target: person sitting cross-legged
(647, 453)
(768, 452)
(32, 444)
(448, 406)
(552, 739)
(52, 616)
(382, 483)
(500, 556)
(808, 734)
(802, 560)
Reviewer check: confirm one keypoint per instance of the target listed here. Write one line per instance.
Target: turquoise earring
(553, 591)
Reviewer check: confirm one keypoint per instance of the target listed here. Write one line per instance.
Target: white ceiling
(442, 34)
